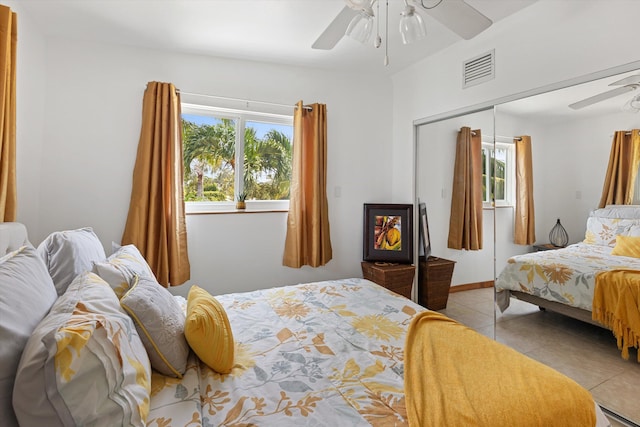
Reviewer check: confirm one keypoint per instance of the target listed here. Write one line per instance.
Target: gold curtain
(621, 174)
(8, 44)
(465, 223)
(156, 220)
(308, 240)
(525, 220)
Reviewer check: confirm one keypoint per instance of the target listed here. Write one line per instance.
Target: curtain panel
(156, 220)
(525, 221)
(8, 45)
(465, 222)
(308, 240)
(619, 182)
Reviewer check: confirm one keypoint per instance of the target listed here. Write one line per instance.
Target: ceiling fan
(626, 84)
(357, 16)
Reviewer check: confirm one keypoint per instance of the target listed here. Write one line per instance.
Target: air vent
(479, 69)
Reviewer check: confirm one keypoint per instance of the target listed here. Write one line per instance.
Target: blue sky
(261, 128)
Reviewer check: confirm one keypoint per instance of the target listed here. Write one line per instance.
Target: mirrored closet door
(569, 155)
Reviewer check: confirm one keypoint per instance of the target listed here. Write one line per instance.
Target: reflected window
(498, 173)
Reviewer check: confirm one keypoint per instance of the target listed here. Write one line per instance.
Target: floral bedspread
(319, 354)
(563, 275)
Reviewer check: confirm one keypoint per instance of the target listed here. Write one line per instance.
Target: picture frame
(388, 233)
(423, 235)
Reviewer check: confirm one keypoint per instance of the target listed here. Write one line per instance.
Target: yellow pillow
(208, 331)
(627, 246)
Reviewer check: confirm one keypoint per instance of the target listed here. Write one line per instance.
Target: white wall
(548, 42)
(92, 124)
(31, 90)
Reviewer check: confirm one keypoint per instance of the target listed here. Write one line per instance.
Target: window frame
(241, 117)
(510, 173)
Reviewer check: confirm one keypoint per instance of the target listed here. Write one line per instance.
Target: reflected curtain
(525, 227)
(308, 240)
(619, 182)
(8, 44)
(156, 220)
(465, 222)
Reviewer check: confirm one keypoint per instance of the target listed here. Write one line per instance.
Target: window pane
(267, 160)
(209, 157)
(500, 170)
(485, 195)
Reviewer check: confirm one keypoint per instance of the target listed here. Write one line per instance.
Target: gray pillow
(26, 295)
(160, 324)
(69, 253)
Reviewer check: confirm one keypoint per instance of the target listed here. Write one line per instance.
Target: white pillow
(69, 253)
(160, 323)
(617, 211)
(84, 363)
(122, 267)
(26, 295)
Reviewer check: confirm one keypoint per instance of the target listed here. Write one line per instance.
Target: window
(228, 153)
(499, 161)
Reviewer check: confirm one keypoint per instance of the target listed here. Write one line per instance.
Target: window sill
(253, 206)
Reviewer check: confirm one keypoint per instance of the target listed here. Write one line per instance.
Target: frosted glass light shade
(361, 27)
(412, 26)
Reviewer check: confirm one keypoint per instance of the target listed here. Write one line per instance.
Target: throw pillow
(121, 268)
(208, 330)
(627, 246)
(160, 324)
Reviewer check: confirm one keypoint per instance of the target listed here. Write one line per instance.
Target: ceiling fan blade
(601, 97)
(336, 29)
(630, 80)
(460, 18)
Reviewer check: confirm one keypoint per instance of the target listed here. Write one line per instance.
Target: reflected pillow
(121, 268)
(603, 231)
(84, 363)
(160, 323)
(208, 330)
(69, 253)
(627, 246)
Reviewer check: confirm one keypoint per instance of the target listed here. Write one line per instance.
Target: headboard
(13, 235)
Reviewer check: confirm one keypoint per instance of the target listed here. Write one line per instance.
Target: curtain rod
(510, 138)
(247, 101)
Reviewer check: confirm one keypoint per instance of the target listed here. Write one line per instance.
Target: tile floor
(586, 353)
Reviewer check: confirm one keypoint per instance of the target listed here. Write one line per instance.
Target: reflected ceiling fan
(356, 20)
(627, 84)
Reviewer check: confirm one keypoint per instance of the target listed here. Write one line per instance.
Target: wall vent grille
(479, 69)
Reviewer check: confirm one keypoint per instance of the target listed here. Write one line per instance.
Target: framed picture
(388, 233)
(425, 241)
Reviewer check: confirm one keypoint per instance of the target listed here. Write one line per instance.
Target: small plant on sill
(240, 203)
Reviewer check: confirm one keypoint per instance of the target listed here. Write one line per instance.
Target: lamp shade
(412, 26)
(361, 26)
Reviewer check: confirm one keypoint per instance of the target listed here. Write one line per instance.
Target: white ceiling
(280, 31)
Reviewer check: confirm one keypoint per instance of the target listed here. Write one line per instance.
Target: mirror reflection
(544, 237)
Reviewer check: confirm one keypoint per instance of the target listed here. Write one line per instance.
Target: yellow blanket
(454, 376)
(616, 304)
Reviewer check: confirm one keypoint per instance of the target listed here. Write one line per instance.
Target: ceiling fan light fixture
(361, 26)
(635, 102)
(412, 27)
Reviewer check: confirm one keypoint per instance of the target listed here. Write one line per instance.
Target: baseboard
(470, 286)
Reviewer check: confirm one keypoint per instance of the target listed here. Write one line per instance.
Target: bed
(325, 353)
(564, 279)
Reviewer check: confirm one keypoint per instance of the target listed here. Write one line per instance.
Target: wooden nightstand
(546, 247)
(395, 277)
(434, 278)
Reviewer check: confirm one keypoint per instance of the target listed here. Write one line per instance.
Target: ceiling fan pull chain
(386, 37)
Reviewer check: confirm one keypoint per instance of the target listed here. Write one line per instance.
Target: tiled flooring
(586, 353)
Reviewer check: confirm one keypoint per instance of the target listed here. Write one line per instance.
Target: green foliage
(209, 163)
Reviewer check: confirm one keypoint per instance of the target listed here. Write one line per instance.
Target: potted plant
(240, 203)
